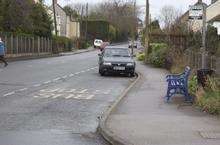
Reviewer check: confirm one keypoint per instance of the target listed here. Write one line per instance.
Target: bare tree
(169, 16)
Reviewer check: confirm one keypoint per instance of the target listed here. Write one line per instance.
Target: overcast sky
(155, 5)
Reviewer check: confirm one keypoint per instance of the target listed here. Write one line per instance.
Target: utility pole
(54, 16)
(203, 49)
(133, 29)
(146, 31)
(87, 7)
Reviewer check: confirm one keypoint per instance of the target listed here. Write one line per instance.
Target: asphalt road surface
(55, 101)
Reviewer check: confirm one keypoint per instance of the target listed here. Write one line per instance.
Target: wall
(74, 29)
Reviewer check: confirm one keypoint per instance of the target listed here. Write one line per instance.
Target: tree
(16, 16)
(42, 23)
(121, 13)
(71, 12)
(24, 16)
(169, 16)
(155, 27)
(1, 14)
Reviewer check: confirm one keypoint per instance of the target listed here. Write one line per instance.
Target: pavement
(55, 100)
(142, 117)
(46, 55)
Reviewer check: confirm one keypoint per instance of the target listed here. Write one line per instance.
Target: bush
(158, 55)
(193, 85)
(210, 100)
(140, 56)
(83, 44)
(62, 44)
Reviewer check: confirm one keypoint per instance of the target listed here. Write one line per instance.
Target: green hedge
(140, 56)
(157, 54)
(96, 29)
(62, 44)
(83, 43)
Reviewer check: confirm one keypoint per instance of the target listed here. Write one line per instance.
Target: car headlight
(130, 64)
(107, 63)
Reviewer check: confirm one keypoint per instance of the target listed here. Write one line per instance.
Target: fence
(194, 60)
(20, 46)
(175, 40)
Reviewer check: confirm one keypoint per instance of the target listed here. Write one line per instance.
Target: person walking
(2, 52)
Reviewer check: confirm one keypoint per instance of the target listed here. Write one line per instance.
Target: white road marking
(61, 90)
(83, 91)
(71, 91)
(46, 95)
(82, 71)
(8, 94)
(78, 96)
(77, 73)
(36, 96)
(37, 85)
(71, 75)
(64, 77)
(24, 89)
(90, 97)
(56, 79)
(56, 96)
(49, 90)
(70, 96)
(47, 82)
(88, 69)
(106, 92)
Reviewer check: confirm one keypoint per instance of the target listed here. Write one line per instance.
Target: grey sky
(155, 5)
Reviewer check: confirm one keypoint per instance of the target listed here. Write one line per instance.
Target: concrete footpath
(143, 118)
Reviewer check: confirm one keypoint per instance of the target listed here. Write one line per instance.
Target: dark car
(116, 60)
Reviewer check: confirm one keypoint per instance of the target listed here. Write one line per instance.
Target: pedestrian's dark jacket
(2, 49)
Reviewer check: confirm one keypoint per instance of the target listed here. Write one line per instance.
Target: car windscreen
(115, 52)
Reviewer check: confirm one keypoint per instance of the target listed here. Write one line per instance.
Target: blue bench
(178, 84)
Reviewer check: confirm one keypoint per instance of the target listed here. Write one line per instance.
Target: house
(66, 25)
(193, 24)
(212, 16)
(140, 26)
(72, 28)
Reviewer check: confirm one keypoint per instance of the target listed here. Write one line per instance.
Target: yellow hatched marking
(69, 96)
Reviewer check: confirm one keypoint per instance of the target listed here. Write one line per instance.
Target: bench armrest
(174, 76)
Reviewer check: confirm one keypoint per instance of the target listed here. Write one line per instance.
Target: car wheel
(101, 72)
(132, 74)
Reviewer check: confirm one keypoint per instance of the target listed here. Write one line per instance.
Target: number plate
(119, 68)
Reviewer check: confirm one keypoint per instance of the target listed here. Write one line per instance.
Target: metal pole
(146, 31)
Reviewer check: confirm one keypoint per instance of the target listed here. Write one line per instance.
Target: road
(55, 101)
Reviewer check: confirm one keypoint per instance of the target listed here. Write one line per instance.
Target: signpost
(146, 31)
(198, 12)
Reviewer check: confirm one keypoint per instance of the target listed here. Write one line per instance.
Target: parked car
(97, 43)
(116, 60)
